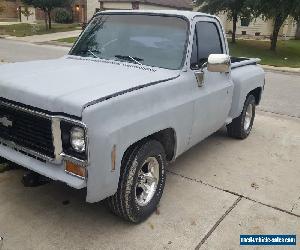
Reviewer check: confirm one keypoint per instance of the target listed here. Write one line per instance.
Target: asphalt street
(13, 51)
(282, 94)
(216, 191)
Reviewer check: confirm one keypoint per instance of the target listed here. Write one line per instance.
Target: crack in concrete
(293, 207)
(218, 223)
(276, 113)
(234, 193)
(295, 204)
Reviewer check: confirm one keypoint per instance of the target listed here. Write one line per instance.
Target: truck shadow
(61, 216)
(56, 196)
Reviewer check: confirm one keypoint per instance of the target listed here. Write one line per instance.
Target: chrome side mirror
(218, 63)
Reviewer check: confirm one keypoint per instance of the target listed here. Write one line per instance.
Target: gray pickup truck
(138, 89)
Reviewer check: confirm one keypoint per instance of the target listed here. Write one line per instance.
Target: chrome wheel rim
(147, 183)
(248, 117)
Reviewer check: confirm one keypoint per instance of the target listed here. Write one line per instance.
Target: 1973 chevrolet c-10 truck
(137, 90)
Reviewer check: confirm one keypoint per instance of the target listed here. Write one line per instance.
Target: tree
(46, 6)
(298, 32)
(278, 11)
(234, 9)
(2, 8)
(26, 12)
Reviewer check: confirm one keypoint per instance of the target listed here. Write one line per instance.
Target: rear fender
(245, 79)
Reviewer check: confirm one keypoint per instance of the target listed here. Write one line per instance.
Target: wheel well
(257, 94)
(166, 137)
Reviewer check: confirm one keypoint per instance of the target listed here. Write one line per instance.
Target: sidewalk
(45, 37)
(8, 23)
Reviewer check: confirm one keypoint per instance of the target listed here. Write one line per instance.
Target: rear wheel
(141, 184)
(241, 126)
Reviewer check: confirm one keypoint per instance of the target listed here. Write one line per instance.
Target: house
(13, 12)
(83, 10)
(10, 11)
(259, 27)
(245, 28)
(96, 5)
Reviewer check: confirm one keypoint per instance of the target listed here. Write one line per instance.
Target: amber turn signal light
(75, 169)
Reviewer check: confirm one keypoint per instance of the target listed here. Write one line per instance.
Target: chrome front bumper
(53, 171)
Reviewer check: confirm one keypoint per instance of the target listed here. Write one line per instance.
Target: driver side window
(207, 41)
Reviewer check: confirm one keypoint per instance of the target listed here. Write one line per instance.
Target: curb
(281, 69)
(54, 43)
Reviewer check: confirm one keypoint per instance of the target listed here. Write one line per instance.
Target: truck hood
(69, 84)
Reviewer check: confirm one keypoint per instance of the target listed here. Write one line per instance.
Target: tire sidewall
(136, 212)
(250, 100)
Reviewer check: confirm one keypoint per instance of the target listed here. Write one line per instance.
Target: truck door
(214, 97)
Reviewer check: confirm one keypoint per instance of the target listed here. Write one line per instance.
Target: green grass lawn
(287, 54)
(25, 29)
(67, 40)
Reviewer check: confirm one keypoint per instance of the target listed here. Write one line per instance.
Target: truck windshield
(152, 40)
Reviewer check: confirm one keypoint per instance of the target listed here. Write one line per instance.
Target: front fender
(126, 119)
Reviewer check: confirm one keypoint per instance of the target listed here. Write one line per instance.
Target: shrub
(63, 16)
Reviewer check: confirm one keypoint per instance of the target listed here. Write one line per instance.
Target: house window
(245, 22)
(135, 5)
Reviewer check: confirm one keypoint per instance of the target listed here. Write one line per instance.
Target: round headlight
(77, 139)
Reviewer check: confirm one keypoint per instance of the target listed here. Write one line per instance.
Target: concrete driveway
(216, 191)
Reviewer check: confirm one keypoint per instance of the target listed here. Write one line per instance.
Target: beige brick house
(259, 27)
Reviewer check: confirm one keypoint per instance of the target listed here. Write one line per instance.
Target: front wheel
(141, 183)
(241, 126)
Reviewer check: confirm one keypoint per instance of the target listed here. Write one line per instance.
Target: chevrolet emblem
(6, 122)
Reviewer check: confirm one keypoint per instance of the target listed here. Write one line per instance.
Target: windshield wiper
(130, 59)
(94, 54)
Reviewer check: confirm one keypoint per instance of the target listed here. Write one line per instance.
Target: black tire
(236, 128)
(2, 160)
(125, 202)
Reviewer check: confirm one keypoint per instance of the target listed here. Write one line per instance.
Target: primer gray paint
(122, 103)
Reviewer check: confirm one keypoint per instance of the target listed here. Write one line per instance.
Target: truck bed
(237, 62)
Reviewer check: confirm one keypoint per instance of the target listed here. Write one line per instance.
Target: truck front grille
(27, 130)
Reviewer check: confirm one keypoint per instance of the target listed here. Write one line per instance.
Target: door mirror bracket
(200, 75)
(216, 63)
